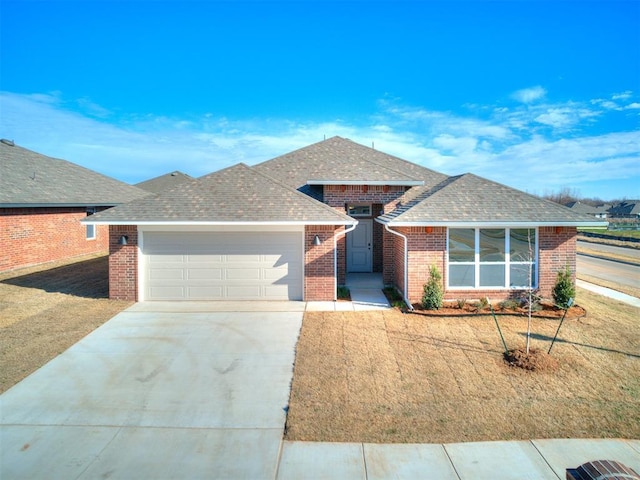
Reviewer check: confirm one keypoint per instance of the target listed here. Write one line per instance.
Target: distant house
(296, 226)
(598, 211)
(629, 209)
(164, 182)
(43, 200)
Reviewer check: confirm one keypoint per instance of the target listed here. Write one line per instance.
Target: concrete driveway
(162, 390)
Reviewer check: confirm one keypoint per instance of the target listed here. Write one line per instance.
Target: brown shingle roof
(164, 182)
(471, 199)
(341, 160)
(234, 195)
(28, 178)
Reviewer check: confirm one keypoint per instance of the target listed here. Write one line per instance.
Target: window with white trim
(90, 229)
(487, 258)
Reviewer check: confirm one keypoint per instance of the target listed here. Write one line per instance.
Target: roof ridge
(403, 208)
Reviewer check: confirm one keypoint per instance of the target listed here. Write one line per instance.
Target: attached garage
(245, 265)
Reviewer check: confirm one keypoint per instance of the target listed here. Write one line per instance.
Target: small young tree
(433, 293)
(564, 289)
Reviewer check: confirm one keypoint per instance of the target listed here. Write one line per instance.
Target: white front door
(359, 252)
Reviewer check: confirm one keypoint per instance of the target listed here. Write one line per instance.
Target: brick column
(319, 283)
(123, 263)
(557, 250)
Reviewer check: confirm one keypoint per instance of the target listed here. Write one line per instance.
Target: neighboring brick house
(43, 200)
(295, 226)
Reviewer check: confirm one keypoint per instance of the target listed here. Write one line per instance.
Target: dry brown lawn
(46, 309)
(393, 377)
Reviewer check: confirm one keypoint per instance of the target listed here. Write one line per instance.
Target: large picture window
(492, 257)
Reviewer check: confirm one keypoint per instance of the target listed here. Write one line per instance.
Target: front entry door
(359, 252)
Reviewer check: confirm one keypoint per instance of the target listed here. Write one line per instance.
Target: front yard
(384, 376)
(392, 377)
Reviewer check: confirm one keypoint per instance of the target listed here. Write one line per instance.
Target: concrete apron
(157, 394)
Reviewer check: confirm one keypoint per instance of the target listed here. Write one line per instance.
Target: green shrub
(461, 302)
(433, 294)
(564, 289)
(343, 293)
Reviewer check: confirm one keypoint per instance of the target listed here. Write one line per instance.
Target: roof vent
(7, 142)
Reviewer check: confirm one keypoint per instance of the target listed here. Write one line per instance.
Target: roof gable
(339, 160)
(30, 178)
(469, 199)
(238, 194)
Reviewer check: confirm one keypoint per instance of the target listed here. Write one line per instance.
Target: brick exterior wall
(123, 263)
(557, 248)
(319, 283)
(32, 236)
(381, 198)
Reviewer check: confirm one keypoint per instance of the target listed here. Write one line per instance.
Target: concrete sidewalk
(535, 460)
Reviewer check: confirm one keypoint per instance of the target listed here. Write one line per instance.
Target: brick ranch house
(294, 227)
(43, 200)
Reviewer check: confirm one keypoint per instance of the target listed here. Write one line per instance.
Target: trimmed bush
(433, 294)
(564, 289)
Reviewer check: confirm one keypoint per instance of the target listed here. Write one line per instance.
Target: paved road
(616, 272)
(598, 247)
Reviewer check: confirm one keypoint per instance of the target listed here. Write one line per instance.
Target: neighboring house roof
(341, 161)
(626, 208)
(587, 209)
(237, 194)
(468, 199)
(30, 179)
(164, 182)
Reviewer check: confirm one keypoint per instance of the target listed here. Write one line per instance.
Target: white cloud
(535, 148)
(622, 96)
(529, 95)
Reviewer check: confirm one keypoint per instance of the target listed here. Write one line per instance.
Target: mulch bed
(469, 309)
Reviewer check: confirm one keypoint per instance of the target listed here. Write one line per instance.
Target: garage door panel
(218, 266)
(202, 273)
(168, 292)
(205, 293)
(166, 274)
(242, 292)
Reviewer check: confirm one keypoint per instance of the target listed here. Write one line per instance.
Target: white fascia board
(492, 224)
(184, 223)
(393, 183)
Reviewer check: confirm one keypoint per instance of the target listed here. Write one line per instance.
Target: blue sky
(538, 95)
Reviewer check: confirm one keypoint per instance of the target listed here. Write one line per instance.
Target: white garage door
(223, 266)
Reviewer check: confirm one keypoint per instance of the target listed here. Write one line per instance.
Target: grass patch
(612, 233)
(387, 377)
(46, 309)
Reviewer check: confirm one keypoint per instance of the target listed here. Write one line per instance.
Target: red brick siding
(318, 264)
(557, 249)
(425, 250)
(123, 263)
(31, 236)
(381, 198)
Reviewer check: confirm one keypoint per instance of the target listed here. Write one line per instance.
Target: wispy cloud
(529, 95)
(536, 148)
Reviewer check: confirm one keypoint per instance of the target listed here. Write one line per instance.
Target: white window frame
(507, 260)
(90, 229)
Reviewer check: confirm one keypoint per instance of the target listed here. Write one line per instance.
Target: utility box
(602, 470)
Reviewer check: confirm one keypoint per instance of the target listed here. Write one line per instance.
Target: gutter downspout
(406, 265)
(335, 258)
